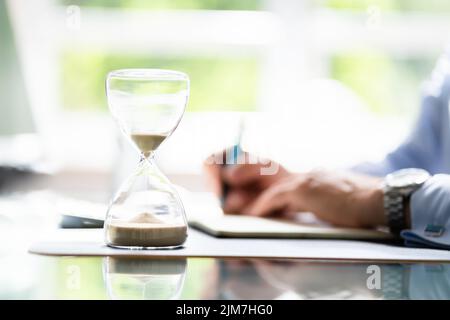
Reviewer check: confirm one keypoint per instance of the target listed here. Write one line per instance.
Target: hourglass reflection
(152, 279)
(146, 212)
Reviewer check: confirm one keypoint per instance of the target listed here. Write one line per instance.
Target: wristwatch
(398, 187)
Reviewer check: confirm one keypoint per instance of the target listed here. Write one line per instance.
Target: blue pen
(231, 158)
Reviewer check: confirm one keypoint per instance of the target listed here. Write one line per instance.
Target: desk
(27, 276)
(37, 277)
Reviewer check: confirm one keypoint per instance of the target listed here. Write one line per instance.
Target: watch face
(407, 177)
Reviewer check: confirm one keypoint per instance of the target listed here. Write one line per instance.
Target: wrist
(371, 214)
(377, 216)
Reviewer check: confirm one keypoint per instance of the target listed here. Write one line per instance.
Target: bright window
(251, 56)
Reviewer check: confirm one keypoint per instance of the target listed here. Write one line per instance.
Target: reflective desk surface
(27, 276)
(38, 277)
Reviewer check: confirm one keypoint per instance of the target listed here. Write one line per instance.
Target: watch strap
(395, 211)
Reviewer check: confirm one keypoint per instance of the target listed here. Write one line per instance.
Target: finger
(274, 199)
(238, 200)
(213, 175)
(212, 167)
(242, 174)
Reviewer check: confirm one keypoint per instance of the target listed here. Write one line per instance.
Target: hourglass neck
(147, 157)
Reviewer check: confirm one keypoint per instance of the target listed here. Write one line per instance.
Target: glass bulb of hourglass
(146, 212)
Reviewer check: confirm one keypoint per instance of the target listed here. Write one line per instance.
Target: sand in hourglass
(146, 142)
(146, 230)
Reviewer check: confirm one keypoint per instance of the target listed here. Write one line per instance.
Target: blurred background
(318, 82)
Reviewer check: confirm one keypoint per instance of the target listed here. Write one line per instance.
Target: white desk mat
(89, 242)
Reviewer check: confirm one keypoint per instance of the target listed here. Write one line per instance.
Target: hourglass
(146, 212)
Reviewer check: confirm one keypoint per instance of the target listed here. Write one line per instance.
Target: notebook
(204, 213)
(234, 226)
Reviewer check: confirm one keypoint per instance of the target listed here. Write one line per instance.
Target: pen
(231, 157)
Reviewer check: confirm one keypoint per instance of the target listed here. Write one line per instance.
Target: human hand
(245, 180)
(342, 199)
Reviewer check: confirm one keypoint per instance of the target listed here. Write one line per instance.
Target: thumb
(272, 199)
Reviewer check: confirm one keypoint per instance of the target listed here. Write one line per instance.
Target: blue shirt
(427, 147)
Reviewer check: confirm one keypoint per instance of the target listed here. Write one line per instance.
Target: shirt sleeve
(426, 138)
(430, 214)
